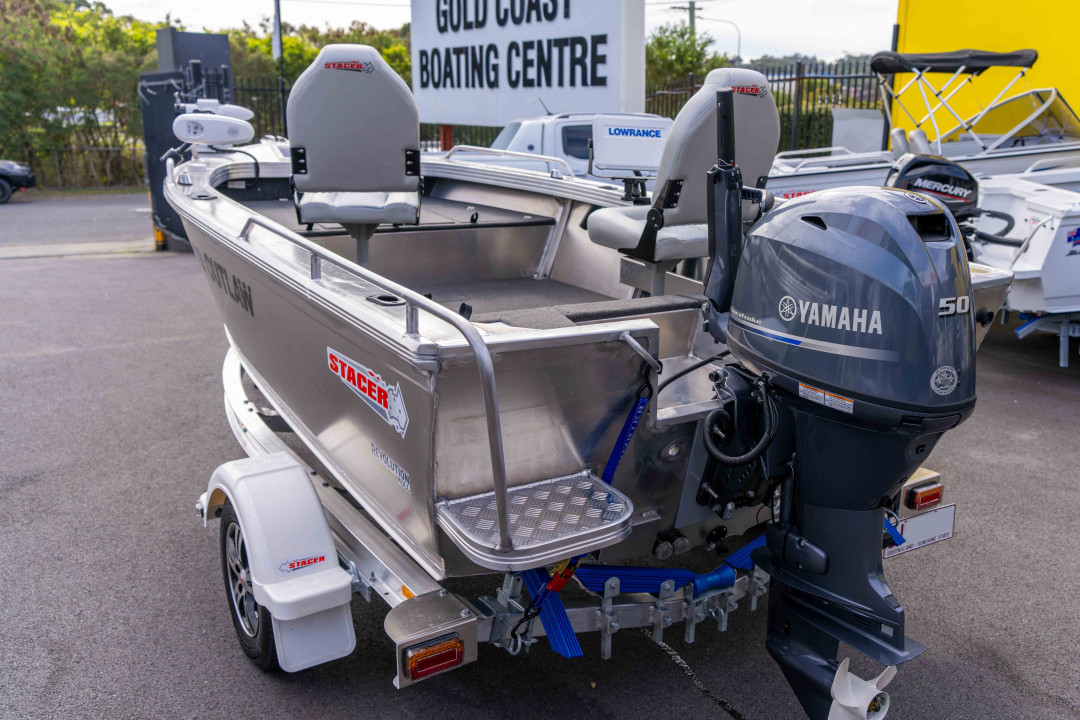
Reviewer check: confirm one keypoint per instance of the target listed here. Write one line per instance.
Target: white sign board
(488, 62)
(624, 143)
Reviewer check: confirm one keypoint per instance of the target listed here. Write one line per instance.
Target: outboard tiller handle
(725, 217)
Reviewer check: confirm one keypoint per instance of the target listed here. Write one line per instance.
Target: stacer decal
(384, 399)
(290, 566)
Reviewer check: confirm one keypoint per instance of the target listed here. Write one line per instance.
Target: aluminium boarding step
(550, 520)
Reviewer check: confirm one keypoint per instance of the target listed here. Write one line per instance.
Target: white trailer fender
(294, 564)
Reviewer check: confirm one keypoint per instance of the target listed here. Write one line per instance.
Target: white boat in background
(1041, 247)
(1034, 128)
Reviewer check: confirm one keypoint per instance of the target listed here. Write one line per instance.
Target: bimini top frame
(964, 66)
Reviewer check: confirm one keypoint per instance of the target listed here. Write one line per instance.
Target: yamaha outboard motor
(849, 314)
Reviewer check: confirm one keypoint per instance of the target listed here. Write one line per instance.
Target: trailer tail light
(925, 496)
(434, 656)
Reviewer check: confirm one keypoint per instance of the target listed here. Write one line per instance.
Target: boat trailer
(422, 611)
(1064, 325)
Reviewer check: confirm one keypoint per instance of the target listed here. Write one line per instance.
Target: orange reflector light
(435, 656)
(925, 496)
(407, 592)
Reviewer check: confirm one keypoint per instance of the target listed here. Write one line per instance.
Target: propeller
(858, 699)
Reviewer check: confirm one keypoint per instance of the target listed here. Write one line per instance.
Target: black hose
(692, 368)
(998, 238)
(1010, 222)
(772, 425)
(242, 152)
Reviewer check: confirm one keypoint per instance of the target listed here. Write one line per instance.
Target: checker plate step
(550, 520)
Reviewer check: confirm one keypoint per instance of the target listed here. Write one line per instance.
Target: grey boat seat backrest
(680, 191)
(354, 136)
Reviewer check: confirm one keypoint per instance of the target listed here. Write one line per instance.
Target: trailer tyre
(252, 622)
(5, 191)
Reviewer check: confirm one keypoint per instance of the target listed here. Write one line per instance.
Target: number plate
(925, 529)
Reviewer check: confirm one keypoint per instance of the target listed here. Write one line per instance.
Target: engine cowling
(863, 292)
(949, 183)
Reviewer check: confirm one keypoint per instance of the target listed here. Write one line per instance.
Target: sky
(826, 28)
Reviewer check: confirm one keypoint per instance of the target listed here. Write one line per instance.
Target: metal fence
(805, 95)
(264, 96)
(460, 135)
(86, 167)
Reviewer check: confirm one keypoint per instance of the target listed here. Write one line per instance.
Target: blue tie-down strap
(741, 557)
(894, 533)
(649, 580)
(627, 432)
(632, 579)
(553, 615)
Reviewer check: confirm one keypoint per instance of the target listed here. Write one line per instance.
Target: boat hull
(412, 433)
(801, 182)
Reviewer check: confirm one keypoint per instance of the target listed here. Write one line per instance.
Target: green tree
(34, 57)
(101, 105)
(252, 54)
(251, 48)
(672, 53)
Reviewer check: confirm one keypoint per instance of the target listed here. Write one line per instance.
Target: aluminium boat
(495, 370)
(1012, 133)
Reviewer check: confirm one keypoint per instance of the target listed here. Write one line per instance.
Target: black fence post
(282, 97)
(795, 105)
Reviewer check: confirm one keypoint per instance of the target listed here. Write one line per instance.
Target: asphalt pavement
(112, 604)
(33, 219)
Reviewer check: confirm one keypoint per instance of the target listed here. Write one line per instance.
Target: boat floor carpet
(493, 296)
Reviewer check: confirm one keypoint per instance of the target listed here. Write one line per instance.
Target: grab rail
(826, 159)
(509, 153)
(413, 302)
(1051, 164)
(835, 149)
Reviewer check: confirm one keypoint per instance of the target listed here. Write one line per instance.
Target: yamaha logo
(787, 308)
(837, 317)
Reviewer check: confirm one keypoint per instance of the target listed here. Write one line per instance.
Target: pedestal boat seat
(357, 161)
(675, 226)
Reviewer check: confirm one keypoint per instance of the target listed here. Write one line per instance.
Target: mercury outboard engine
(956, 189)
(849, 313)
(951, 184)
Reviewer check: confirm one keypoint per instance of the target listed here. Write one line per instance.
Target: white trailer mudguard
(294, 564)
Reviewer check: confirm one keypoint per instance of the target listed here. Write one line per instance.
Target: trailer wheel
(5, 191)
(252, 622)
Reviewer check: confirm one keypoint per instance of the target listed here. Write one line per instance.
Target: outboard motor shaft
(850, 314)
